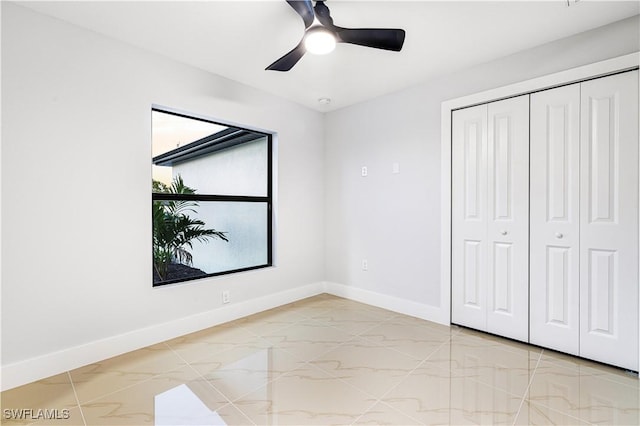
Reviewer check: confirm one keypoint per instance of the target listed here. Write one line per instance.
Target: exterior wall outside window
(239, 170)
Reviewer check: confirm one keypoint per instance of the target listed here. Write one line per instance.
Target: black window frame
(232, 136)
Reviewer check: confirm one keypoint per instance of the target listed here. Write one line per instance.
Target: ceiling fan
(321, 35)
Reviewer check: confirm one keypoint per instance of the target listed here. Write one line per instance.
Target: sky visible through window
(173, 131)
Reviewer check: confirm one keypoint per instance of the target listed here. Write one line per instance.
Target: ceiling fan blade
(380, 38)
(289, 60)
(304, 8)
(323, 15)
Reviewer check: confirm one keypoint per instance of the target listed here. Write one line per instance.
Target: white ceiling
(238, 39)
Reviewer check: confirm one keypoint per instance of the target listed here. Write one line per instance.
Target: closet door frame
(574, 75)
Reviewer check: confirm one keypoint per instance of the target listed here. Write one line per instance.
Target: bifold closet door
(555, 219)
(508, 218)
(609, 220)
(490, 217)
(469, 217)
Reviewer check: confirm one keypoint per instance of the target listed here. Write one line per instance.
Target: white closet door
(508, 218)
(609, 220)
(469, 217)
(555, 219)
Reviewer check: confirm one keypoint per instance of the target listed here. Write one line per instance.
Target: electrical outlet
(365, 171)
(365, 265)
(226, 298)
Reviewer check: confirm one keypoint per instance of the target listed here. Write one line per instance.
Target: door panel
(469, 218)
(508, 217)
(557, 303)
(473, 168)
(555, 218)
(609, 220)
(602, 153)
(502, 167)
(503, 277)
(602, 291)
(471, 278)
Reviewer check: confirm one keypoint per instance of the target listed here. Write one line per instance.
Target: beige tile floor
(327, 360)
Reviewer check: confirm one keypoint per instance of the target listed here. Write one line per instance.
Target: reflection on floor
(327, 360)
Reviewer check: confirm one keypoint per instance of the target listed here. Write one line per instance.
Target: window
(212, 198)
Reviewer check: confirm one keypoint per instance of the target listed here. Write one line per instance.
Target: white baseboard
(391, 303)
(37, 368)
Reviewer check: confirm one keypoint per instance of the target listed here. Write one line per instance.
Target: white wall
(393, 220)
(76, 171)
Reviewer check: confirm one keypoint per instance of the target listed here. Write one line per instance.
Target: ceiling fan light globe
(319, 41)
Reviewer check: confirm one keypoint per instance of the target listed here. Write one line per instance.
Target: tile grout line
(374, 398)
(545, 405)
(427, 359)
(526, 391)
(303, 318)
(380, 401)
(395, 349)
(603, 375)
(75, 394)
(204, 357)
(176, 353)
(134, 384)
(232, 401)
(308, 362)
(229, 400)
(201, 376)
